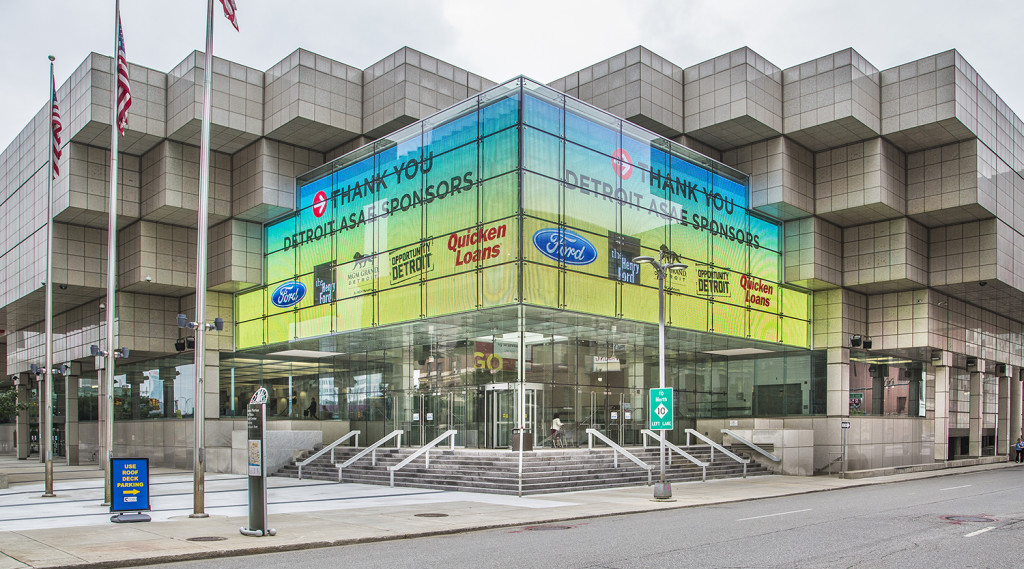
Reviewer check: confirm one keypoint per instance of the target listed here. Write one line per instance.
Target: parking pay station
(256, 445)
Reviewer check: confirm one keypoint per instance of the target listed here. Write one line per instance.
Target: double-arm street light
(662, 490)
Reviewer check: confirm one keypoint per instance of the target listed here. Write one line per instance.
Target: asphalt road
(970, 520)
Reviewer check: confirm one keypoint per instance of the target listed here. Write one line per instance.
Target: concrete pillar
(22, 422)
(211, 385)
(41, 391)
(135, 399)
(942, 360)
(71, 434)
(101, 421)
(1015, 406)
(837, 402)
(167, 375)
(1003, 439)
(977, 373)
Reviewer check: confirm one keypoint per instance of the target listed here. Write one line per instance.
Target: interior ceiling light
(305, 354)
(529, 338)
(738, 352)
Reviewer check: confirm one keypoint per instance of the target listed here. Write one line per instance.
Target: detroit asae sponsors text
(374, 186)
(667, 208)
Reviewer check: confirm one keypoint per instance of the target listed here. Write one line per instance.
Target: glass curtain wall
(592, 376)
(475, 271)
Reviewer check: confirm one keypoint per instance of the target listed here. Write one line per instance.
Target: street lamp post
(662, 490)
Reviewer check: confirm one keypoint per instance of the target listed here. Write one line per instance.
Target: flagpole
(199, 410)
(108, 376)
(46, 433)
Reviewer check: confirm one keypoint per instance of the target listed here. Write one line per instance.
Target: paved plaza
(73, 529)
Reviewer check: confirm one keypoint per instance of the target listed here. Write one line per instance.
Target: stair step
(497, 471)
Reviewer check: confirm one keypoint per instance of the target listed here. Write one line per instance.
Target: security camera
(148, 279)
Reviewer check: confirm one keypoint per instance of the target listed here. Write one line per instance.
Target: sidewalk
(34, 531)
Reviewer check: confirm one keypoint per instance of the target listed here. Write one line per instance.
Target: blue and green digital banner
(428, 224)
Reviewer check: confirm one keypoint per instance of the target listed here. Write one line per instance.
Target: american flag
(55, 125)
(124, 90)
(229, 12)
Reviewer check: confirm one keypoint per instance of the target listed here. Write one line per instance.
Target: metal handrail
(722, 449)
(329, 447)
(703, 465)
(424, 449)
(591, 433)
(769, 455)
(371, 449)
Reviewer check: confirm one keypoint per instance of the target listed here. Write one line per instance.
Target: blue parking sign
(129, 479)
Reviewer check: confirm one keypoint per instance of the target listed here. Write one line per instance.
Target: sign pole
(662, 490)
(256, 445)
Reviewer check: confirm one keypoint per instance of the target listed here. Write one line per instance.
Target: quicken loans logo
(288, 294)
(564, 245)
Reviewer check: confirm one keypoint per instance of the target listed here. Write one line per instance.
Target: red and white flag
(55, 126)
(229, 12)
(124, 90)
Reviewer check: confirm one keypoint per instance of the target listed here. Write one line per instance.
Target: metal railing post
(329, 447)
(371, 450)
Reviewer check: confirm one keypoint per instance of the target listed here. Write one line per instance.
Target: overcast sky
(544, 40)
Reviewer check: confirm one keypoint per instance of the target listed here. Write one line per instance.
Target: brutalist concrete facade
(899, 190)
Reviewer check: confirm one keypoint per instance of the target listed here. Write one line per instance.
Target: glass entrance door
(616, 412)
(500, 412)
(430, 414)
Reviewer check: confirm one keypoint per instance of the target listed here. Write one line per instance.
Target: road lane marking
(974, 533)
(956, 487)
(770, 515)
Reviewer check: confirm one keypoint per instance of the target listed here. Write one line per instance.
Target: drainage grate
(545, 528)
(206, 538)
(983, 518)
(431, 515)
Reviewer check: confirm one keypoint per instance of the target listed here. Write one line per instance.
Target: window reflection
(886, 386)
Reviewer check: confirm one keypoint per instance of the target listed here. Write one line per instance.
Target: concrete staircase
(496, 471)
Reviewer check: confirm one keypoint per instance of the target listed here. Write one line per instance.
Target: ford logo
(564, 245)
(288, 294)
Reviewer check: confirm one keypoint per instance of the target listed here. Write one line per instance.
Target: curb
(260, 549)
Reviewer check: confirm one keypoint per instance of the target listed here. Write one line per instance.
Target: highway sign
(661, 409)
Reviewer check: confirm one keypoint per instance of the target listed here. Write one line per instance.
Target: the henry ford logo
(319, 203)
(622, 163)
(324, 285)
(564, 245)
(288, 294)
